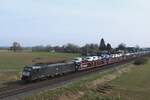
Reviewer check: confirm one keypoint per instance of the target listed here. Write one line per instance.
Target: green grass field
(134, 85)
(10, 60)
(11, 64)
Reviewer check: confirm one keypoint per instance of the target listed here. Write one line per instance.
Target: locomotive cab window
(27, 69)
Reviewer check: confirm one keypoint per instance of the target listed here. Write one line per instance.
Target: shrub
(140, 61)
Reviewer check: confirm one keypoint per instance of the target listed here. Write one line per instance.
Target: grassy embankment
(134, 85)
(128, 82)
(11, 64)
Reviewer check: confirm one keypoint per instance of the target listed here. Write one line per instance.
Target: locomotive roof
(48, 65)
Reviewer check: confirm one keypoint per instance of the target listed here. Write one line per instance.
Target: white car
(113, 55)
(89, 58)
(120, 55)
(95, 58)
(127, 54)
(77, 60)
(105, 56)
(100, 58)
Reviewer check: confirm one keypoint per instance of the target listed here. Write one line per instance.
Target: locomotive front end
(26, 74)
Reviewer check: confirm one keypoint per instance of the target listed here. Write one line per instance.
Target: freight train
(41, 71)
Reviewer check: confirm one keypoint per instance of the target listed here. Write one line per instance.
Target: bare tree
(121, 46)
(16, 47)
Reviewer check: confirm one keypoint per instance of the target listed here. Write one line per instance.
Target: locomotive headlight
(26, 73)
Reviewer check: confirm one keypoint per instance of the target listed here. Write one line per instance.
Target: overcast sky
(57, 22)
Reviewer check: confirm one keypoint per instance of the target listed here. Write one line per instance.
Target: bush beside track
(141, 61)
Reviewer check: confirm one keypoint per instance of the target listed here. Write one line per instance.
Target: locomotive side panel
(68, 68)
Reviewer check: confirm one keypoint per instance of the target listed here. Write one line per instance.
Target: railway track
(53, 82)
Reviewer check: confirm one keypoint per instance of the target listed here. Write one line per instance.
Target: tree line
(87, 49)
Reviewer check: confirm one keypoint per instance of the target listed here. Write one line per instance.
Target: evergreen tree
(109, 47)
(102, 45)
